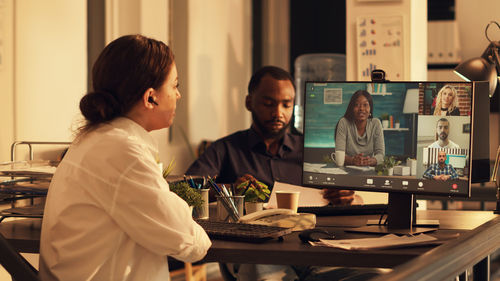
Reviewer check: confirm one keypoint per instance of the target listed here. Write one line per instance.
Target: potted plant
(396, 124)
(387, 167)
(255, 193)
(384, 117)
(189, 194)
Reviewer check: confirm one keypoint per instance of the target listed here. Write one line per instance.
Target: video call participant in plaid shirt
(441, 170)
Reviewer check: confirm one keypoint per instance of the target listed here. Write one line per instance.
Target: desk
(292, 251)
(477, 230)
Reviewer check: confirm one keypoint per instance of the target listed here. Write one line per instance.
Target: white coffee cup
(288, 199)
(338, 157)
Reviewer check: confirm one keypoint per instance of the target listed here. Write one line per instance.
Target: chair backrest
(17, 266)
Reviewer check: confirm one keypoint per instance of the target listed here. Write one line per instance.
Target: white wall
(472, 17)
(50, 67)
(212, 45)
(45, 74)
(219, 67)
(6, 78)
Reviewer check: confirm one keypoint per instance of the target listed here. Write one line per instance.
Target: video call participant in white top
(109, 213)
(442, 132)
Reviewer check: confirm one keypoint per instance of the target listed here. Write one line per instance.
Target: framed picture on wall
(466, 128)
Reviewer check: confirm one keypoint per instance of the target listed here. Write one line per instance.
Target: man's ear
(149, 93)
(248, 103)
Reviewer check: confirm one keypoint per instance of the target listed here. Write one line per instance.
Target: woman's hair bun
(99, 106)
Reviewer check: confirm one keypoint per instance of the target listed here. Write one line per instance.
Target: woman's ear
(148, 99)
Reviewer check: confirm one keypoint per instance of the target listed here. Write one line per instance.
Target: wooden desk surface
(24, 234)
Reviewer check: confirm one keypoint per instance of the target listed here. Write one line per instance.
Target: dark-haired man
(268, 151)
(442, 132)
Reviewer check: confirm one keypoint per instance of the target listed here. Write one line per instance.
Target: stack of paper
(384, 242)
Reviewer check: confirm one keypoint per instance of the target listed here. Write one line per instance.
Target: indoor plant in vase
(384, 117)
(255, 193)
(387, 167)
(189, 194)
(192, 197)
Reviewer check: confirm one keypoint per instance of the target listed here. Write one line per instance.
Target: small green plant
(389, 162)
(169, 168)
(254, 191)
(187, 193)
(384, 116)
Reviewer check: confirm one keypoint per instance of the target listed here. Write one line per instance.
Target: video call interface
(400, 136)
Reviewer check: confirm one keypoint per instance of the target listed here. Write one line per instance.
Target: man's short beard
(446, 137)
(265, 132)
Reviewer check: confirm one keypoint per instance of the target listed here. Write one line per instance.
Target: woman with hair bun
(446, 102)
(109, 213)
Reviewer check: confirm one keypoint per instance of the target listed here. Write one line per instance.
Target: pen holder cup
(202, 211)
(231, 203)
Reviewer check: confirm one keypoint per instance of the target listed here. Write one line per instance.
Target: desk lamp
(484, 68)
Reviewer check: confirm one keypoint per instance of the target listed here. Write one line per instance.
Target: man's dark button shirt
(244, 152)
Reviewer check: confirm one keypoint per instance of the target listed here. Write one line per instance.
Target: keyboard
(347, 210)
(242, 231)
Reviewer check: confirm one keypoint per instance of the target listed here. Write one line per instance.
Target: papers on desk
(361, 168)
(33, 168)
(384, 242)
(324, 168)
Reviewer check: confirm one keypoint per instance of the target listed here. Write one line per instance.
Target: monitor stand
(401, 215)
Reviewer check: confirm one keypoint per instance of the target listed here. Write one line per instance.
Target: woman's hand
(361, 160)
(338, 197)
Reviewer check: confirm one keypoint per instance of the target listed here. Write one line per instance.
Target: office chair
(17, 266)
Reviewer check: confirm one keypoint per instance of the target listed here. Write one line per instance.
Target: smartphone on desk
(282, 218)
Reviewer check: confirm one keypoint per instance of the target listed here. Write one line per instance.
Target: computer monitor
(354, 131)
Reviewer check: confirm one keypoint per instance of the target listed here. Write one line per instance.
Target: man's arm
(209, 163)
(428, 174)
(452, 172)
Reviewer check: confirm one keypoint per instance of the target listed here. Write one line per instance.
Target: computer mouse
(314, 235)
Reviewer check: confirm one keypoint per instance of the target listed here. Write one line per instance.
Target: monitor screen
(396, 137)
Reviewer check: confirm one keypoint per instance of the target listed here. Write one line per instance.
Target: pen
(191, 182)
(226, 201)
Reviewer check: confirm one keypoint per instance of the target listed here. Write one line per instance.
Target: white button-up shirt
(110, 215)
